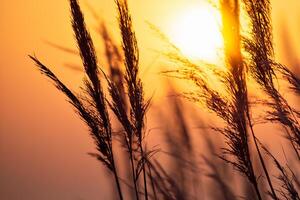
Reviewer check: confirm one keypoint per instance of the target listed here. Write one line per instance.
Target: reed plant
(119, 94)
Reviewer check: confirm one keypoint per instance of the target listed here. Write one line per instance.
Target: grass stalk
(263, 67)
(138, 106)
(237, 81)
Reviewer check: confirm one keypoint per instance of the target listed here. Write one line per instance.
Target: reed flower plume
(263, 68)
(224, 106)
(92, 108)
(221, 90)
(97, 132)
(231, 106)
(238, 114)
(133, 82)
(134, 123)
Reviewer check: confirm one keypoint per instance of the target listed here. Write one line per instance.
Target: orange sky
(42, 153)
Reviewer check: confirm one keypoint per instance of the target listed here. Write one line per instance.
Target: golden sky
(42, 153)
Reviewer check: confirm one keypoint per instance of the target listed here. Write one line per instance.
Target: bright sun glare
(196, 32)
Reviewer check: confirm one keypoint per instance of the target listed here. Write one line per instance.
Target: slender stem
(118, 184)
(133, 173)
(116, 176)
(256, 189)
(144, 173)
(252, 177)
(152, 182)
(261, 158)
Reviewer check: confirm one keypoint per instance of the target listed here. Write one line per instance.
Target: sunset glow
(196, 32)
(150, 100)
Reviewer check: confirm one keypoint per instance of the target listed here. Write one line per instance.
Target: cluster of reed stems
(246, 57)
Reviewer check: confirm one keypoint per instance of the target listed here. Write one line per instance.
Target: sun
(196, 32)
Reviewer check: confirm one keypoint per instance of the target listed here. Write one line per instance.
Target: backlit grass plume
(263, 68)
(93, 108)
(223, 91)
